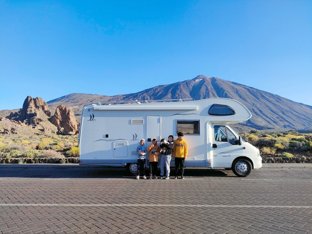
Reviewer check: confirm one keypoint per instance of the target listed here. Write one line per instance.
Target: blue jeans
(165, 162)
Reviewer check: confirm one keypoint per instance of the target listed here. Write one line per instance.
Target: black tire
(241, 167)
(133, 168)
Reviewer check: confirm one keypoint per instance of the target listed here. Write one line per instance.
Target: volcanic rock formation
(65, 121)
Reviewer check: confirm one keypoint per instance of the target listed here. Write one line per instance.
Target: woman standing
(153, 151)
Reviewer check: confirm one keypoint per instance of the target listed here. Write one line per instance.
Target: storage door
(153, 124)
(120, 149)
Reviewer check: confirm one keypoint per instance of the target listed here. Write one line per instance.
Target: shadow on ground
(76, 171)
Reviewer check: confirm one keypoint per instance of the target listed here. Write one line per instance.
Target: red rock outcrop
(65, 121)
(34, 111)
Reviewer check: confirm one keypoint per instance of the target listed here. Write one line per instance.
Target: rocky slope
(35, 113)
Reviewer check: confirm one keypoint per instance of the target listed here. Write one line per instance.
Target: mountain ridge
(270, 111)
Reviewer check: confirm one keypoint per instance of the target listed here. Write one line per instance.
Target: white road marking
(258, 179)
(149, 205)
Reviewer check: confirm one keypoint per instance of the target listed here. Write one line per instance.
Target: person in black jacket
(166, 148)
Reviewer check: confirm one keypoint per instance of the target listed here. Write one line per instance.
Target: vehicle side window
(223, 134)
(220, 110)
(231, 137)
(220, 133)
(188, 127)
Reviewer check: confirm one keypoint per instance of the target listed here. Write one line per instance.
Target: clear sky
(53, 48)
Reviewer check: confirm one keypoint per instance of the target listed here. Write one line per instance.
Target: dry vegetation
(23, 143)
(282, 147)
(39, 149)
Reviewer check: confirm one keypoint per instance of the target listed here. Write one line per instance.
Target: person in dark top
(166, 148)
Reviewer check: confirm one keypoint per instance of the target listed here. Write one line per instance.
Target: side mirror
(239, 141)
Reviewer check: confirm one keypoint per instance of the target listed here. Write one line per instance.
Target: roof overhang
(145, 108)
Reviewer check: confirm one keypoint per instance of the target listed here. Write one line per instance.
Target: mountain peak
(270, 111)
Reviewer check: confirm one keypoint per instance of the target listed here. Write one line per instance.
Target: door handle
(214, 146)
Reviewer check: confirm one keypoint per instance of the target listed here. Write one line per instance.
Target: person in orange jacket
(180, 150)
(153, 151)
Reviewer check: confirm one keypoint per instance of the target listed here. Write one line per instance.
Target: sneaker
(176, 178)
(167, 178)
(137, 177)
(144, 177)
(182, 177)
(155, 177)
(151, 177)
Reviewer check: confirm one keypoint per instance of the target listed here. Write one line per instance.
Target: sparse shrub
(25, 142)
(73, 152)
(252, 138)
(50, 154)
(294, 136)
(44, 143)
(59, 146)
(287, 155)
(279, 146)
(15, 153)
(268, 150)
(2, 145)
(31, 154)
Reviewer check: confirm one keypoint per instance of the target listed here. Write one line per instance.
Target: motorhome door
(153, 127)
(224, 146)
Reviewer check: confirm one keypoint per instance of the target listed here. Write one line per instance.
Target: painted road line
(150, 205)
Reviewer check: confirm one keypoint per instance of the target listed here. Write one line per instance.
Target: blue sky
(53, 48)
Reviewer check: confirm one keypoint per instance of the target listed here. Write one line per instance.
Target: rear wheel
(133, 168)
(241, 167)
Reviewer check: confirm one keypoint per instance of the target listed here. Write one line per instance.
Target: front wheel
(133, 168)
(241, 167)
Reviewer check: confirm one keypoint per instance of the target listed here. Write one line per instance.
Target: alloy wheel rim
(241, 168)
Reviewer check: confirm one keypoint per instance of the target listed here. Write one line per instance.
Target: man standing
(180, 150)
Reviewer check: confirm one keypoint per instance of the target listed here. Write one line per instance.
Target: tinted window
(221, 110)
(188, 127)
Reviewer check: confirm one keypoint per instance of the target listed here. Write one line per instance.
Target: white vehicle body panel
(109, 134)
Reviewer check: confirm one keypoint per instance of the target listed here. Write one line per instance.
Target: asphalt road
(73, 199)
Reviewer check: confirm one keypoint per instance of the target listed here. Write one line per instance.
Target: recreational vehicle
(109, 134)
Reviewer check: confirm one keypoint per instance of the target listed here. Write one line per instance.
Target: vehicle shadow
(76, 171)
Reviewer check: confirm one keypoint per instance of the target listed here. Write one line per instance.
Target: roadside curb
(287, 165)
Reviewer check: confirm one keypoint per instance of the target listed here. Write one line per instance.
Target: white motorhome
(110, 134)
